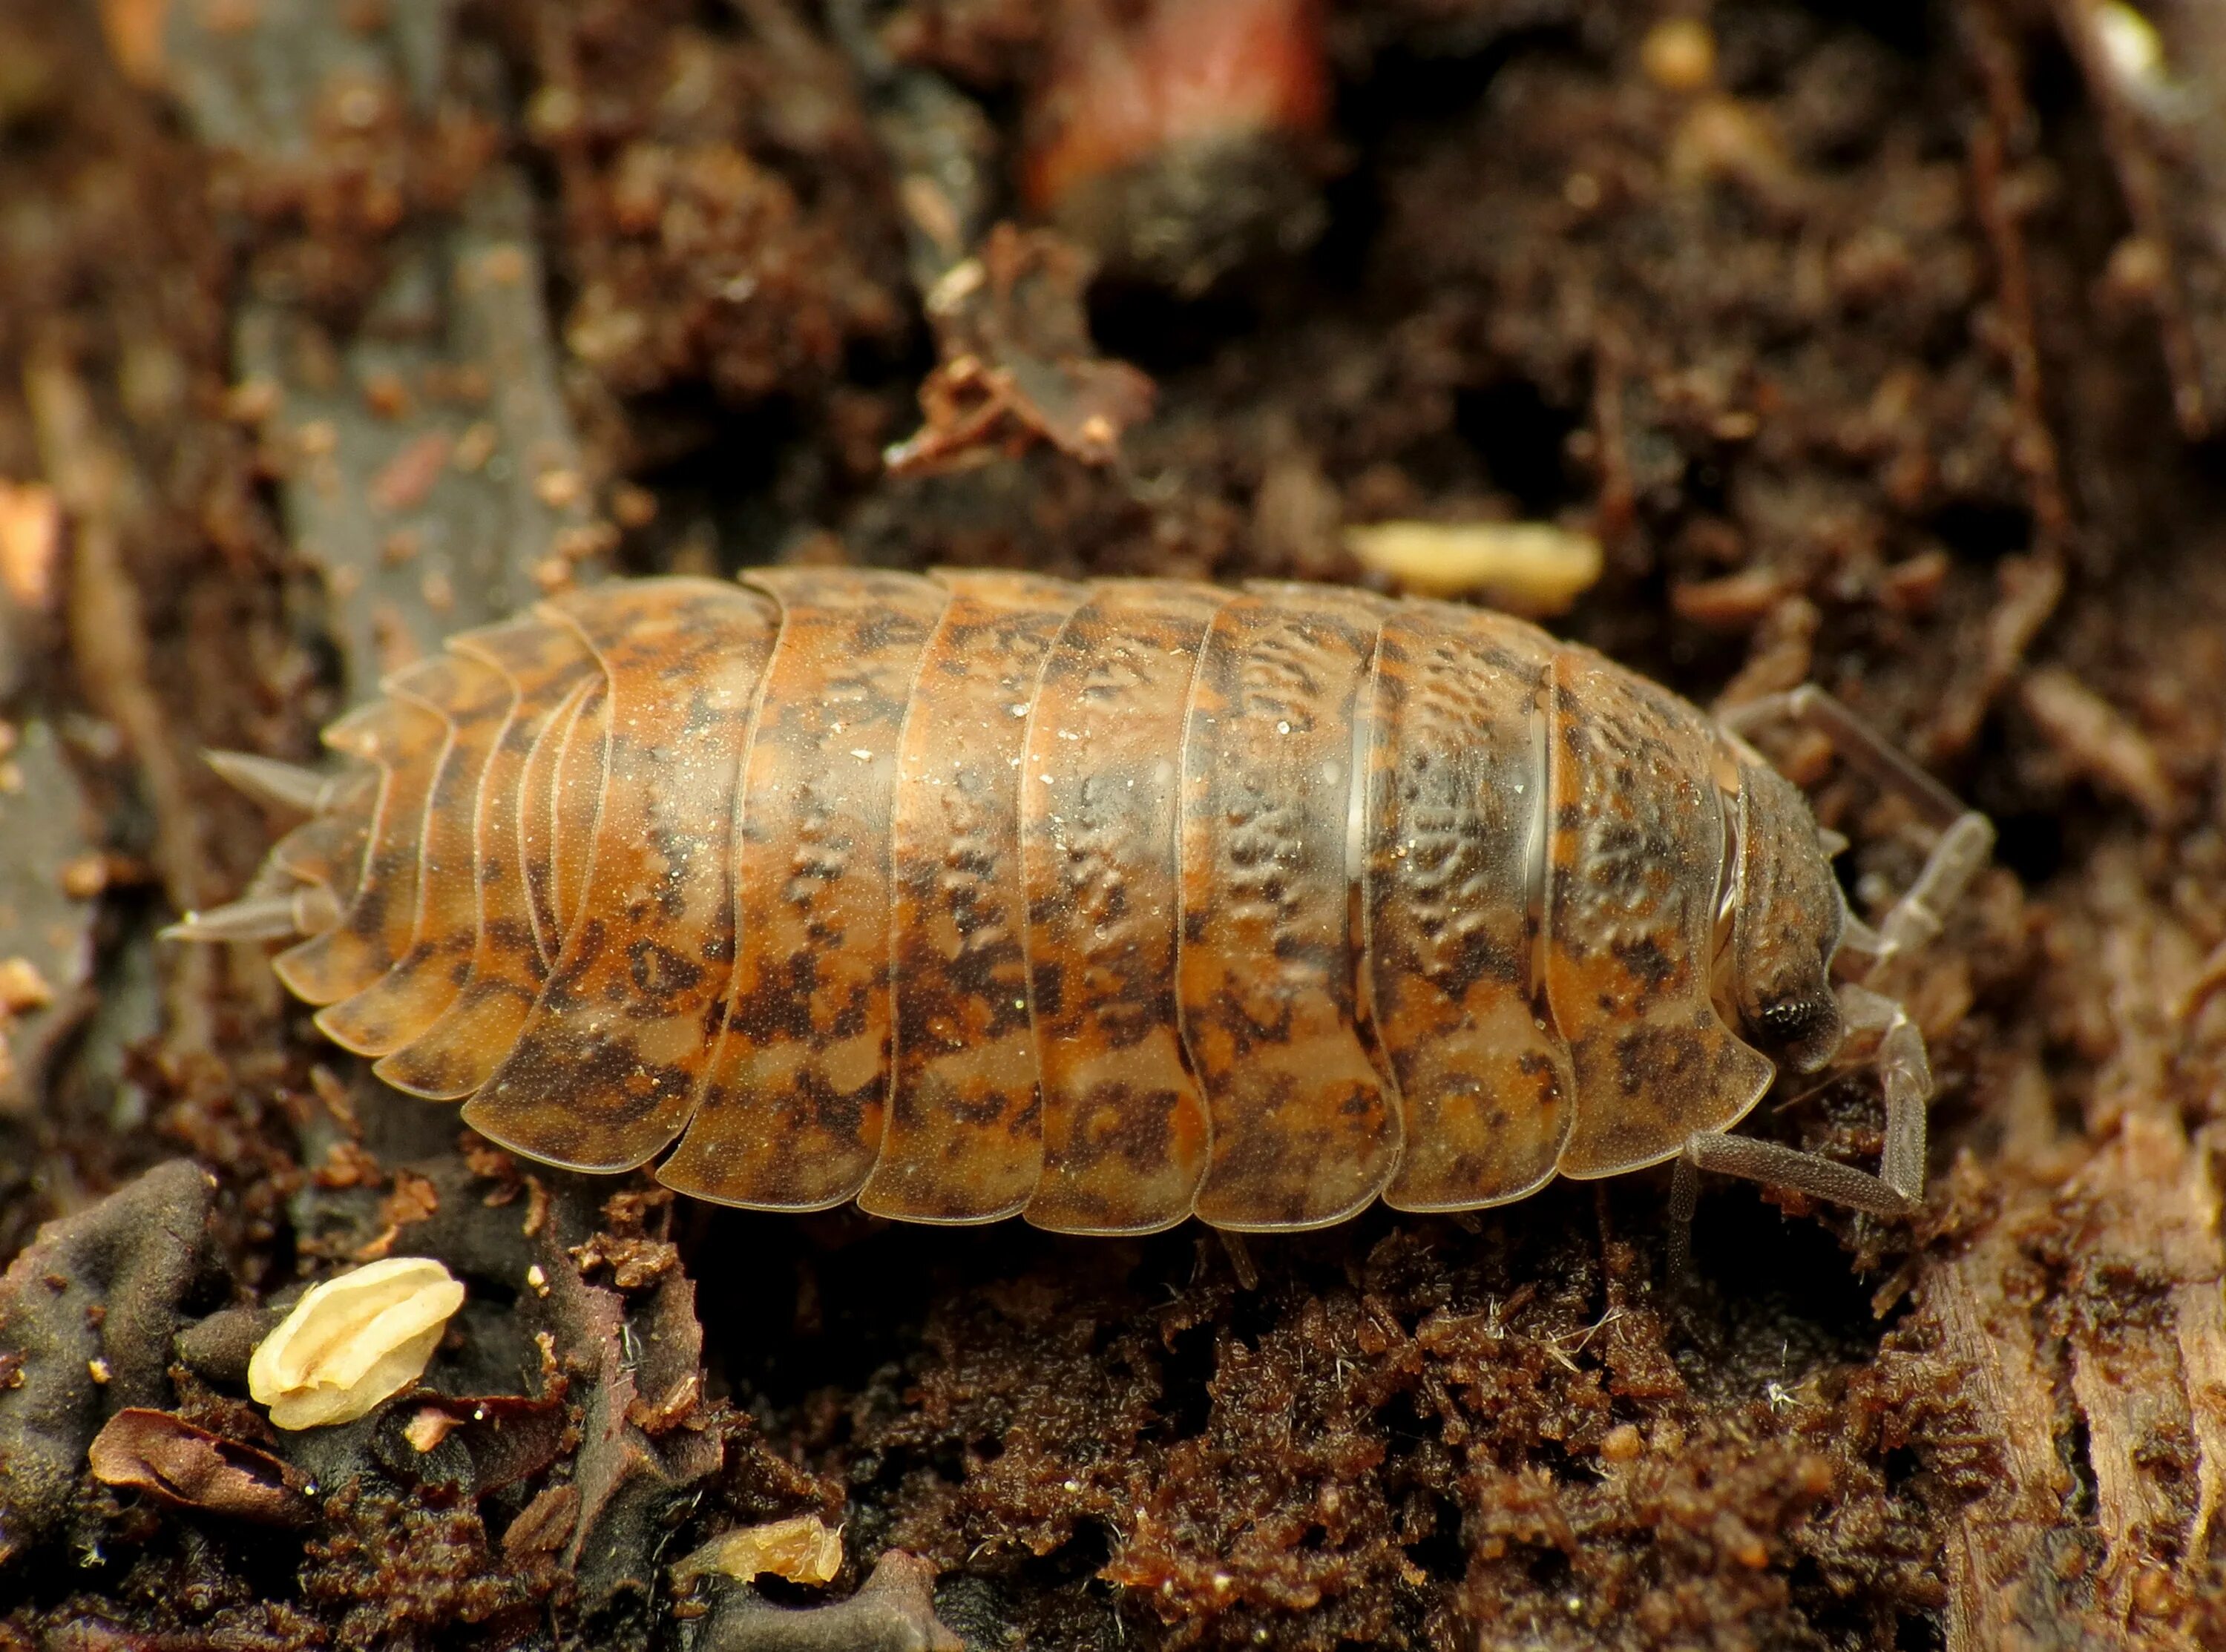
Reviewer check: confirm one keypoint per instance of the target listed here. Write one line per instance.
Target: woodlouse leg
(1906, 1076)
(1775, 1165)
(1966, 837)
(1891, 1043)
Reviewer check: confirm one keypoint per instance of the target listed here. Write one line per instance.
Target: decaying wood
(2088, 1313)
(107, 634)
(431, 473)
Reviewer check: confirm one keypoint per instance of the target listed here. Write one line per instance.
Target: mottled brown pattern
(475, 700)
(1124, 1128)
(546, 666)
(1304, 1131)
(1108, 903)
(577, 785)
(609, 1061)
(405, 740)
(964, 1140)
(539, 818)
(1636, 853)
(792, 1117)
(327, 851)
(1457, 824)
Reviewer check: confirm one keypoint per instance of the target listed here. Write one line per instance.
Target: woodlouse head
(1786, 917)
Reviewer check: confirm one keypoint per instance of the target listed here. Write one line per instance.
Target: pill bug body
(1102, 903)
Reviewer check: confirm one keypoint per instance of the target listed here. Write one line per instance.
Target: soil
(1877, 345)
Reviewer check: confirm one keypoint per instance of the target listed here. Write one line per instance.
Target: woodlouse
(1102, 904)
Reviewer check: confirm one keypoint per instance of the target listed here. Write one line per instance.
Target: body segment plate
(964, 1141)
(1125, 1130)
(610, 1059)
(1454, 899)
(797, 1099)
(1305, 1130)
(1634, 863)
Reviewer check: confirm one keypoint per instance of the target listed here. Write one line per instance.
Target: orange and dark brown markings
(1457, 812)
(1636, 851)
(797, 1101)
(548, 668)
(473, 700)
(324, 855)
(547, 811)
(964, 1140)
(1124, 1126)
(606, 1071)
(394, 735)
(1303, 1129)
(1107, 904)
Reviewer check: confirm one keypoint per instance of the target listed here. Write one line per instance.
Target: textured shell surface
(981, 894)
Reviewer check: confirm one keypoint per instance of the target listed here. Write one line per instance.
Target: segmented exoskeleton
(1103, 904)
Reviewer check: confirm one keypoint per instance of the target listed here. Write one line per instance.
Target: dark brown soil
(1884, 351)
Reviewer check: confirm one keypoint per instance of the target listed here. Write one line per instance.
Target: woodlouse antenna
(1964, 844)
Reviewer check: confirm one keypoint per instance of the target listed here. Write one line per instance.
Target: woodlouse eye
(1801, 1031)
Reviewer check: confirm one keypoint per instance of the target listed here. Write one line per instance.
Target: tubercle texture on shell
(985, 893)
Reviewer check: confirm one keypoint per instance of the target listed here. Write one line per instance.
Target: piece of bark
(431, 470)
(2089, 1318)
(1018, 366)
(2158, 76)
(44, 825)
(87, 1313)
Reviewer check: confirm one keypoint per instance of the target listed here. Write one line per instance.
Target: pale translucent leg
(1880, 1033)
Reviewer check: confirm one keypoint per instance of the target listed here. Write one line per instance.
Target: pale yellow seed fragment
(800, 1548)
(1533, 567)
(353, 1342)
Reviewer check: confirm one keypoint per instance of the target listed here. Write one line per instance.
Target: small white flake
(353, 1342)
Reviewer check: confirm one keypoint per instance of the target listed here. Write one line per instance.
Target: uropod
(1103, 904)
